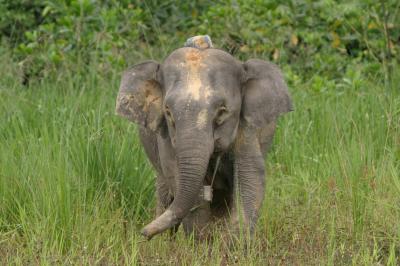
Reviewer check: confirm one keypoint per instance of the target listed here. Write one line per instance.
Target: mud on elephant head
(203, 100)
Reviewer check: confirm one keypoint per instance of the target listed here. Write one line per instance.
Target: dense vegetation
(75, 185)
(47, 36)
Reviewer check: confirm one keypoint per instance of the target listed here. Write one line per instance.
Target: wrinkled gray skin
(194, 107)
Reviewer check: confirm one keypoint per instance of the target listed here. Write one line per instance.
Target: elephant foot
(196, 223)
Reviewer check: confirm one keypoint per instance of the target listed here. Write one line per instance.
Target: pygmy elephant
(206, 119)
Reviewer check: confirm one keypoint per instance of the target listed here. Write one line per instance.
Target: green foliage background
(312, 36)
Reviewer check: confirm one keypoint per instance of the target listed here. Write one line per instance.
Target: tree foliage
(312, 36)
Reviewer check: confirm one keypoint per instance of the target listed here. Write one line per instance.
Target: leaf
(276, 54)
(244, 49)
(372, 25)
(46, 11)
(335, 40)
(294, 40)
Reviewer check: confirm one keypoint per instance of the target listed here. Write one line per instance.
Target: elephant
(206, 121)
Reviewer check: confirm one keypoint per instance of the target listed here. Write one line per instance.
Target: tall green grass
(76, 187)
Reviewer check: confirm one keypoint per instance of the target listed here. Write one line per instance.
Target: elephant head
(200, 98)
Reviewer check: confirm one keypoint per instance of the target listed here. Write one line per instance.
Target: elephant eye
(221, 115)
(168, 113)
(169, 116)
(222, 110)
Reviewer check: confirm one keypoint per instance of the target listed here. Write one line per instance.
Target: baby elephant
(206, 122)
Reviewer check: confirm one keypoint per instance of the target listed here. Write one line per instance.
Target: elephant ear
(265, 94)
(140, 97)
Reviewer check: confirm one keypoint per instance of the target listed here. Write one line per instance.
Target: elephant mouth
(219, 183)
(220, 168)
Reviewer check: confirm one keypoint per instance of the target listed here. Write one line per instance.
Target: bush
(319, 36)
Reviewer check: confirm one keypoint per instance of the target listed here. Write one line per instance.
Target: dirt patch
(193, 55)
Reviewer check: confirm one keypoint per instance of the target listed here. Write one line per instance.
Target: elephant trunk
(193, 156)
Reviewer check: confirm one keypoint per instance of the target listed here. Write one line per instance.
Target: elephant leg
(249, 181)
(164, 199)
(198, 219)
(163, 190)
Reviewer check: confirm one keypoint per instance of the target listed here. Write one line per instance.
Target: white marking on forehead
(202, 119)
(194, 84)
(193, 60)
